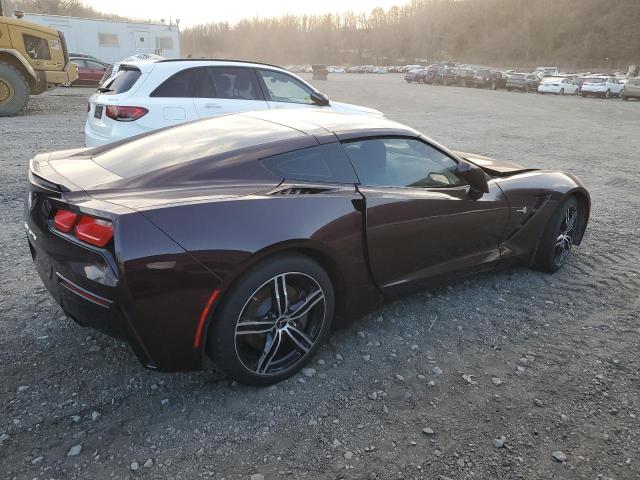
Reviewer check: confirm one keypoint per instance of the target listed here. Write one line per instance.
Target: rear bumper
(78, 297)
(88, 302)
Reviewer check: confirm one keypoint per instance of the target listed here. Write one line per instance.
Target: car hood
(498, 168)
(350, 108)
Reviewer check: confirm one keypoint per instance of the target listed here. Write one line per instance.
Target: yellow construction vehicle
(33, 59)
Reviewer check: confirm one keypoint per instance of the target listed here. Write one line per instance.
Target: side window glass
(285, 88)
(324, 163)
(401, 162)
(228, 83)
(94, 65)
(179, 85)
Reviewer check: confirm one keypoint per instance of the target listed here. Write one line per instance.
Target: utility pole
(1, 12)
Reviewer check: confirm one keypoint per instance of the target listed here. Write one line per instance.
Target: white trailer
(111, 40)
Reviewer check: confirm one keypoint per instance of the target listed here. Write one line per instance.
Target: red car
(90, 71)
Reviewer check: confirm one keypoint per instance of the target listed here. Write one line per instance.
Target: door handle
(212, 105)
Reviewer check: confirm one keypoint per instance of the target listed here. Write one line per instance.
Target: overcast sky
(191, 12)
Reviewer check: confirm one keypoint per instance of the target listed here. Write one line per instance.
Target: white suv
(145, 96)
(601, 86)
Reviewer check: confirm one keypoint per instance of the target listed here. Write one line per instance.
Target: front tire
(607, 94)
(273, 320)
(14, 90)
(558, 237)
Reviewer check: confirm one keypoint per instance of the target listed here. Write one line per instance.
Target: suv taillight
(125, 114)
(86, 228)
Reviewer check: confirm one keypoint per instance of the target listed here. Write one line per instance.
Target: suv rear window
(123, 81)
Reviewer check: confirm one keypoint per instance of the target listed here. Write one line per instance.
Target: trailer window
(36, 47)
(108, 39)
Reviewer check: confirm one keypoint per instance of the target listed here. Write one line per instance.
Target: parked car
(415, 76)
(90, 72)
(526, 82)
(146, 96)
(485, 78)
(631, 89)
(464, 76)
(543, 72)
(247, 237)
(558, 86)
(600, 86)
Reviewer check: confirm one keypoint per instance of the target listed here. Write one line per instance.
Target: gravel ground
(488, 378)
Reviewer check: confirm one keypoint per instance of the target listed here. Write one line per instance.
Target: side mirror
(474, 175)
(319, 99)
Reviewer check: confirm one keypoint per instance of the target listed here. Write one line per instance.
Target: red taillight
(125, 114)
(94, 231)
(91, 230)
(64, 220)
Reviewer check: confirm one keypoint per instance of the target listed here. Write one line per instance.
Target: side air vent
(301, 191)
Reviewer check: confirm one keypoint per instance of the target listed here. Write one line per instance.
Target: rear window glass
(123, 81)
(185, 143)
(325, 163)
(180, 85)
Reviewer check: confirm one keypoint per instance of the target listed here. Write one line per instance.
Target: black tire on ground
(13, 89)
(607, 94)
(562, 91)
(547, 259)
(221, 337)
(625, 98)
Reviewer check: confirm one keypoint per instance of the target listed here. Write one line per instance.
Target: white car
(601, 86)
(145, 96)
(558, 85)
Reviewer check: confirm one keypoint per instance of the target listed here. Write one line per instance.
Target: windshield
(552, 80)
(595, 80)
(517, 76)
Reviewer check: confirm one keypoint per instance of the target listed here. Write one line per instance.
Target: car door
(95, 71)
(422, 221)
(285, 91)
(223, 90)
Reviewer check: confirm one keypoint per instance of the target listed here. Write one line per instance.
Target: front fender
(533, 198)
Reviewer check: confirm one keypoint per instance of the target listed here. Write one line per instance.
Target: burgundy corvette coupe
(248, 236)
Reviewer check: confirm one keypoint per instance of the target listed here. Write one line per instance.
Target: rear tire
(558, 237)
(273, 294)
(625, 98)
(14, 90)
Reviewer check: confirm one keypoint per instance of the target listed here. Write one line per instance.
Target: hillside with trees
(572, 33)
